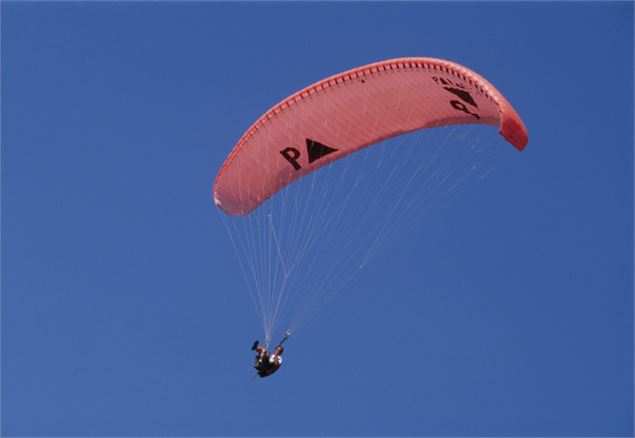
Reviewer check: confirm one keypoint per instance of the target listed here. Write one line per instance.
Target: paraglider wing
(352, 110)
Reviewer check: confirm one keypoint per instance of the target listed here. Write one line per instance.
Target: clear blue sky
(123, 308)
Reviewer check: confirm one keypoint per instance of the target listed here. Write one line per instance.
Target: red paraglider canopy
(352, 110)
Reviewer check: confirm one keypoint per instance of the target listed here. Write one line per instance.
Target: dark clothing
(265, 367)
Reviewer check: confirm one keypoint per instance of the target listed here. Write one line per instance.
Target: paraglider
(266, 364)
(350, 111)
(304, 220)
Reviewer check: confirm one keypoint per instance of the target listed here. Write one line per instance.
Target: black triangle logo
(317, 150)
(464, 95)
